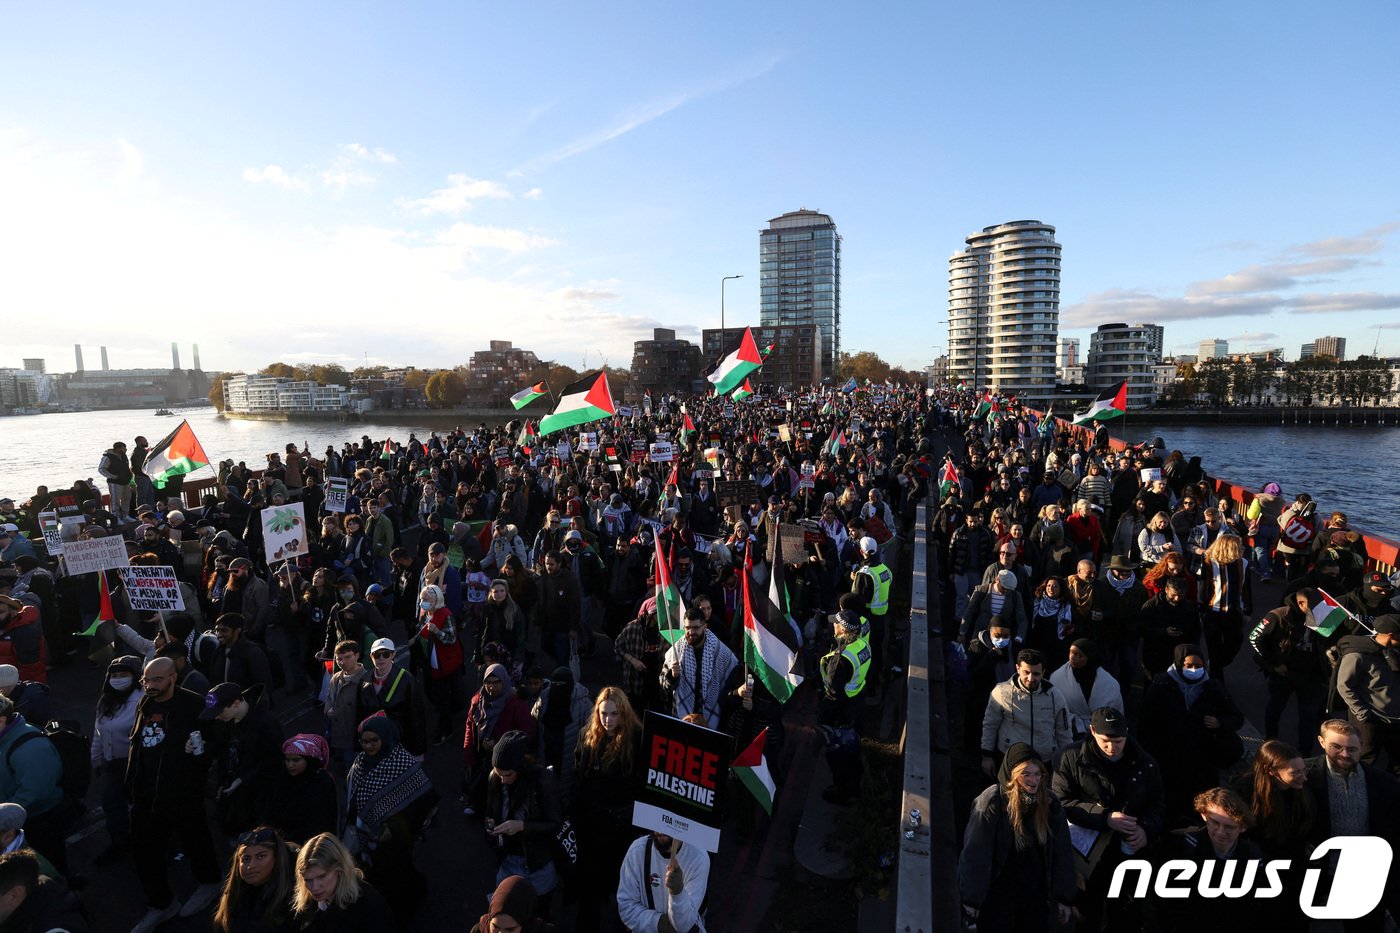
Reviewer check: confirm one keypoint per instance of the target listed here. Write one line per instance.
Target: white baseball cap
(382, 644)
(869, 545)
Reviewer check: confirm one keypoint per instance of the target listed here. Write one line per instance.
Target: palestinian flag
(771, 646)
(985, 407)
(528, 394)
(827, 409)
(670, 608)
(835, 442)
(751, 768)
(687, 427)
(528, 435)
(737, 365)
(104, 607)
(1110, 404)
(744, 391)
(587, 400)
(1325, 615)
(388, 452)
(948, 479)
(178, 453)
(767, 351)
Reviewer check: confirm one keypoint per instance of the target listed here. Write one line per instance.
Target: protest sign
(728, 411)
(740, 492)
(661, 452)
(1151, 474)
(284, 531)
(785, 434)
(501, 456)
(153, 589)
(53, 533)
(88, 555)
(809, 476)
(337, 492)
(639, 449)
(588, 440)
(624, 411)
(686, 775)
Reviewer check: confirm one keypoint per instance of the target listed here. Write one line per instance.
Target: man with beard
(697, 671)
(249, 596)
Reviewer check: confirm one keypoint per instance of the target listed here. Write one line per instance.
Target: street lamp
(721, 303)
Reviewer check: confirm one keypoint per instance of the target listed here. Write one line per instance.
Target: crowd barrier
(914, 905)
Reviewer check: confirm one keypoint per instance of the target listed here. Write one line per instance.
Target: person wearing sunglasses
(257, 894)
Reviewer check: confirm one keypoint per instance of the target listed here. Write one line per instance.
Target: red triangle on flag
(748, 350)
(752, 756)
(600, 396)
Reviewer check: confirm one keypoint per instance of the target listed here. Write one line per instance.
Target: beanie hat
(509, 753)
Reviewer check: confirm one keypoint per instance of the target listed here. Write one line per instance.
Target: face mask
(1193, 674)
(121, 681)
(426, 606)
(1001, 642)
(347, 595)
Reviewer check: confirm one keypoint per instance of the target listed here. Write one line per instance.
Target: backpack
(1300, 529)
(73, 754)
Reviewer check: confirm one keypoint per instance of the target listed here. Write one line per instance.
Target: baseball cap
(1110, 722)
(374, 589)
(219, 699)
(1376, 578)
(12, 817)
(869, 545)
(9, 526)
(381, 644)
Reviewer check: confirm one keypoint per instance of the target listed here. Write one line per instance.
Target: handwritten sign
(740, 492)
(685, 775)
(284, 531)
(153, 589)
(87, 556)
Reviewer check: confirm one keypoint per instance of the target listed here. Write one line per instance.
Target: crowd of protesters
(484, 590)
(1096, 594)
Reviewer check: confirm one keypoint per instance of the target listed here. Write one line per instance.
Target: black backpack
(73, 754)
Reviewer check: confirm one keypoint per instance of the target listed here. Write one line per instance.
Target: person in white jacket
(1085, 686)
(1025, 708)
(662, 886)
(111, 740)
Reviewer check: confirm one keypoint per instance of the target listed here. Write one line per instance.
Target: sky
(400, 183)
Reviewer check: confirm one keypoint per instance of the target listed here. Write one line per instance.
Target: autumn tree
(446, 388)
(216, 391)
(864, 365)
(279, 370)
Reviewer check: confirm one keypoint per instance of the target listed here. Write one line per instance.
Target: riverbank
(1313, 416)
(377, 416)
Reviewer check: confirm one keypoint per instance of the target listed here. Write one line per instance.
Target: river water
(1355, 469)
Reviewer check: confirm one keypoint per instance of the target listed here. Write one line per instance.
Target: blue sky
(404, 182)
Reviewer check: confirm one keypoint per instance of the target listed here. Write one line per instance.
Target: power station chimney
(78, 352)
(105, 367)
(174, 355)
(196, 359)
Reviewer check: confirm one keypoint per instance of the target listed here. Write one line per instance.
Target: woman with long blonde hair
(1226, 599)
(331, 892)
(1016, 871)
(607, 760)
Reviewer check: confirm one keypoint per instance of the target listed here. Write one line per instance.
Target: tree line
(1319, 380)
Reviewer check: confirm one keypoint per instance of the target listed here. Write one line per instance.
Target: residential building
(665, 365)
(1335, 347)
(1004, 310)
(799, 278)
(1072, 375)
(35, 365)
(1308, 351)
(1164, 377)
(260, 394)
(495, 374)
(1119, 352)
(23, 388)
(796, 360)
(1211, 349)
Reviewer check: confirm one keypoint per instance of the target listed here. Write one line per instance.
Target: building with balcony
(254, 394)
(799, 279)
(1124, 351)
(665, 366)
(495, 374)
(1004, 310)
(796, 359)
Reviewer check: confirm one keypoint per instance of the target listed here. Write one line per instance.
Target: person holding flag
(1368, 681)
(699, 670)
(1290, 650)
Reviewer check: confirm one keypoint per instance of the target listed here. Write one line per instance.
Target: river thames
(1354, 469)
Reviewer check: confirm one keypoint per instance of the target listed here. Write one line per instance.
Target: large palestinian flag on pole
(737, 365)
(1110, 404)
(589, 399)
(771, 647)
(178, 453)
(670, 608)
(528, 394)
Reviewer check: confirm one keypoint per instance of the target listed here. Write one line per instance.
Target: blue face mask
(1001, 642)
(1193, 674)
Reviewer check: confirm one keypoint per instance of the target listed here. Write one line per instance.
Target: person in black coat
(238, 659)
(331, 893)
(1221, 833)
(991, 659)
(1168, 619)
(1191, 725)
(302, 801)
(251, 738)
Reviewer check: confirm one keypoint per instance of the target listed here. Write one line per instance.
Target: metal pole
(721, 306)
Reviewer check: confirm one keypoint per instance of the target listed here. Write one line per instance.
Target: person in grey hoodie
(1368, 679)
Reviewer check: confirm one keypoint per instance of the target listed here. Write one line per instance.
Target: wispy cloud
(461, 192)
(360, 151)
(1258, 289)
(645, 113)
(273, 175)
(534, 194)
(470, 237)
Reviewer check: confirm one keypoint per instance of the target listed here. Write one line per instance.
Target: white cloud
(272, 174)
(470, 237)
(359, 151)
(534, 194)
(340, 177)
(461, 193)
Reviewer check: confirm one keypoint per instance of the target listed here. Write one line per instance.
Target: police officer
(871, 580)
(844, 670)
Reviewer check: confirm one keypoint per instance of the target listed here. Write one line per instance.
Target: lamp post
(721, 303)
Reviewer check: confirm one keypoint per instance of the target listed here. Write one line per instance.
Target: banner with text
(153, 589)
(686, 772)
(337, 493)
(53, 533)
(90, 554)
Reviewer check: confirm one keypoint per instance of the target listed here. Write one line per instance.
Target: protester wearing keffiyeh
(383, 785)
(700, 653)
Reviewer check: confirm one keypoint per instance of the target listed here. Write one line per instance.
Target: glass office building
(799, 278)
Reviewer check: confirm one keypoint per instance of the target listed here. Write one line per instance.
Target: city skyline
(318, 183)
